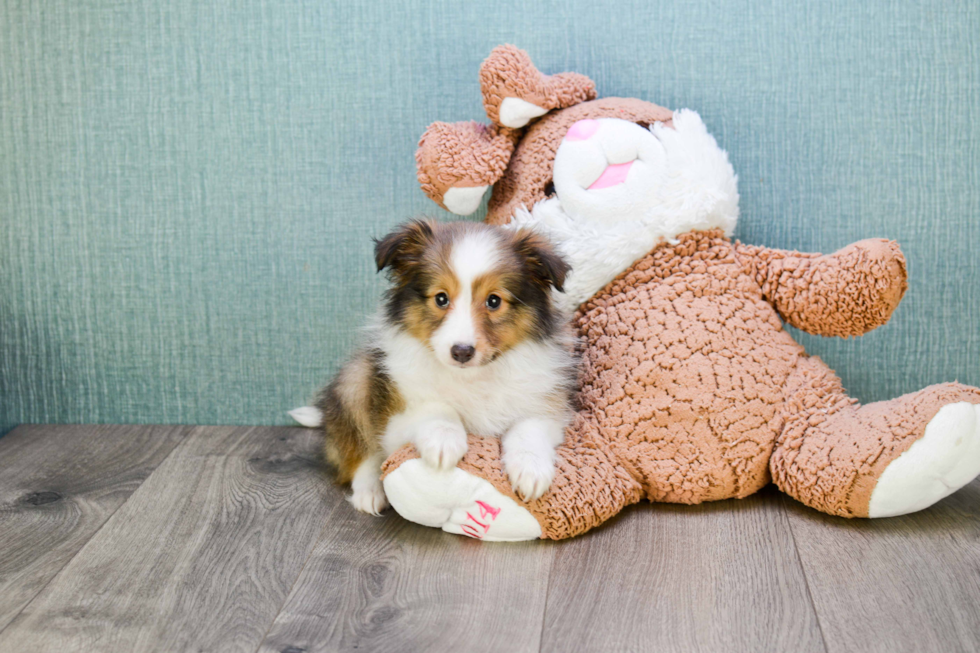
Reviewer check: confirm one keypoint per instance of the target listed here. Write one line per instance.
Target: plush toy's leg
(457, 501)
(476, 498)
(879, 460)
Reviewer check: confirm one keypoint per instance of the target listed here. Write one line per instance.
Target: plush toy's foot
(946, 458)
(457, 502)
(878, 460)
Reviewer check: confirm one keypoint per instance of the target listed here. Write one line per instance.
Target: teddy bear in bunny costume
(691, 390)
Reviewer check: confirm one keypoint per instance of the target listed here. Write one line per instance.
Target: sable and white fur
(430, 374)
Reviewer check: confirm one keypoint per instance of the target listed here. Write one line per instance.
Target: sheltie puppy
(467, 341)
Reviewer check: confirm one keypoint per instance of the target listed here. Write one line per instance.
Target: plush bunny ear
(457, 162)
(514, 92)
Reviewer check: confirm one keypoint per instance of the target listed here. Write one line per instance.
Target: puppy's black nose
(462, 353)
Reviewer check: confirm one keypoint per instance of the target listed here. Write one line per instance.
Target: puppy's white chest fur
(524, 382)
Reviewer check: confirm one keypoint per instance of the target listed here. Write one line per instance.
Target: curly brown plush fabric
(462, 155)
(509, 72)
(817, 293)
(831, 451)
(691, 389)
(684, 367)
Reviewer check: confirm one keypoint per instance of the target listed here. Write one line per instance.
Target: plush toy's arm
(847, 293)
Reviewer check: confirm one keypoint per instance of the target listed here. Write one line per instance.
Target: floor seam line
(806, 580)
(292, 586)
(547, 595)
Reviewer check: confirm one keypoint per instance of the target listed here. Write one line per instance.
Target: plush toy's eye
(442, 300)
(549, 188)
(493, 302)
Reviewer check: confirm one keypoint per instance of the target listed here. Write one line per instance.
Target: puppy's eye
(549, 188)
(493, 302)
(442, 300)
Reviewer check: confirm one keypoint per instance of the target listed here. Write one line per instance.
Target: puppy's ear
(542, 261)
(403, 248)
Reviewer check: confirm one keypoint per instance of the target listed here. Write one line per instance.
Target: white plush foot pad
(942, 461)
(457, 502)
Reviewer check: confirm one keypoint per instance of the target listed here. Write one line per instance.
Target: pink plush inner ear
(582, 130)
(612, 175)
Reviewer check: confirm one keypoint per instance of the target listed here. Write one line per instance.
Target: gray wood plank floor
(58, 486)
(142, 538)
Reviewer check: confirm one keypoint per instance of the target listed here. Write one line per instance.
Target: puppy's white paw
(530, 474)
(441, 444)
(371, 500)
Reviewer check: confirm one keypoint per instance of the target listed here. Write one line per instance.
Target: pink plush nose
(582, 130)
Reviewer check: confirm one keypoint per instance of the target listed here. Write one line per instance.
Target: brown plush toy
(691, 390)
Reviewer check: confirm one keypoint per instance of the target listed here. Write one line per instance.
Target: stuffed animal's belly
(684, 377)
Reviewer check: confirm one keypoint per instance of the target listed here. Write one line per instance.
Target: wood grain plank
(58, 486)
(907, 583)
(716, 577)
(200, 558)
(384, 584)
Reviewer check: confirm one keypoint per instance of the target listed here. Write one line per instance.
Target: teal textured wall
(188, 189)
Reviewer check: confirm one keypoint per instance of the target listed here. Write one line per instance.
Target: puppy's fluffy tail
(308, 416)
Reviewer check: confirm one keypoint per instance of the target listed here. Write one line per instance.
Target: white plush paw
(441, 444)
(458, 502)
(371, 500)
(463, 201)
(515, 112)
(530, 474)
(943, 460)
